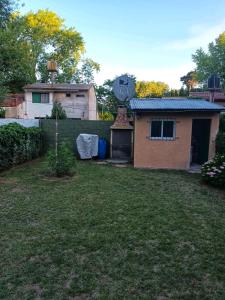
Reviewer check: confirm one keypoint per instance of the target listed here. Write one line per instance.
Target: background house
(173, 134)
(78, 100)
(14, 106)
(219, 97)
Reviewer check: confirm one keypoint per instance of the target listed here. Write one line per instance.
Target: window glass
(156, 128)
(36, 97)
(168, 129)
(45, 98)
(40, 97)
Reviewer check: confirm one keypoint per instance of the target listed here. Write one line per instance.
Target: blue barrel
(101, 148)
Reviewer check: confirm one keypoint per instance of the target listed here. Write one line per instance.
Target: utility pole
(52, 69)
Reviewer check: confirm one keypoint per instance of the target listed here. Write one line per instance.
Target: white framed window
(162, 129)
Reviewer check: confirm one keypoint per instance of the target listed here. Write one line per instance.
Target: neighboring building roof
(156, 104)
(218, 96)
(12, 100)
(61, 87)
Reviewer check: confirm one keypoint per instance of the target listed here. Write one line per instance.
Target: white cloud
(171, 76)
(200, 36)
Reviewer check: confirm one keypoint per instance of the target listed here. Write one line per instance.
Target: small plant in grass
(2, 112)
(213, 171)
(62, 163)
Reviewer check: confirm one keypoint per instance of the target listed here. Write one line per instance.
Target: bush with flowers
(213, 171)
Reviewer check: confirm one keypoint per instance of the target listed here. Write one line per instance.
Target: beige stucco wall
(92, 105)
(75, 107)
(16, 112)
(166, 154)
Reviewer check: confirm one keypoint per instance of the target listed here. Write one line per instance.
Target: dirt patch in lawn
(7, 180)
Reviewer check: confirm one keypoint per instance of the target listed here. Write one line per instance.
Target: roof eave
(178, 110)
(55, 90)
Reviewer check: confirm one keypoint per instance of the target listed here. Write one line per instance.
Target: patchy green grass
(110, 233)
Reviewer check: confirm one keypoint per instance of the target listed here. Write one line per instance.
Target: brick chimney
(122, 121)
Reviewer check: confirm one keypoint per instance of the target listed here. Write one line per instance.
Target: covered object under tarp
(87, 145)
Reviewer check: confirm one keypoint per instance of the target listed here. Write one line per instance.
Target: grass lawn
(110, 233)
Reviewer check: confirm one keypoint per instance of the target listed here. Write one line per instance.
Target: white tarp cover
(87, 145)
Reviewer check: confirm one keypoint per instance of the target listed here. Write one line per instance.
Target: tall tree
(51, 39)
(29, 41)
(211, 61)
(189, 80)
(85, 72)
(15, 58)
(6, 8)
(146, 89)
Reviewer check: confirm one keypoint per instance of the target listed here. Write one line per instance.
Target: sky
(151, 39)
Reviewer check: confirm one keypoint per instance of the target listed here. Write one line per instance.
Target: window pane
(45, 98)
(168, 129)
(156, 129)
(36, 97)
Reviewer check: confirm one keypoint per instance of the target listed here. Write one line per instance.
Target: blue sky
(152, 39)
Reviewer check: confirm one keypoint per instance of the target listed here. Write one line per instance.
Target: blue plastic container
(101, 148)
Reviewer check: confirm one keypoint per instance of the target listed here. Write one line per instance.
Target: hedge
(18, 144)
(220, 143)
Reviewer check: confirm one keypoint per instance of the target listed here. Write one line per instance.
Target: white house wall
(37, 110)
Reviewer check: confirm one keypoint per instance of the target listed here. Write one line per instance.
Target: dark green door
(200, 140)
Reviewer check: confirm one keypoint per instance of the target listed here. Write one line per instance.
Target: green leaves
(189, 80)
(212, 61)
(151, 89)
(61, 164)
(85, 74)
(29, 41)
(58, 111)
(18, 144)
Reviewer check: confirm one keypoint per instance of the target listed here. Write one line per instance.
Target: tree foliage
(211, 61)
(16, 58)
(6, 8)
(106, 116)
(58, 111)
(85, 73)
(29, 41)
(147, 89)
(51, 39)
(189, 80)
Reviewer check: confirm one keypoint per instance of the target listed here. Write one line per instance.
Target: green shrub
(222, 122)
(18, 144)
(2, 112)
(106, 116)
(58, 111)
(62, 164)
(220, 143)
(213, 171)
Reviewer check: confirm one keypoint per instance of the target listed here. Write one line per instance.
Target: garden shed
(174, 133)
